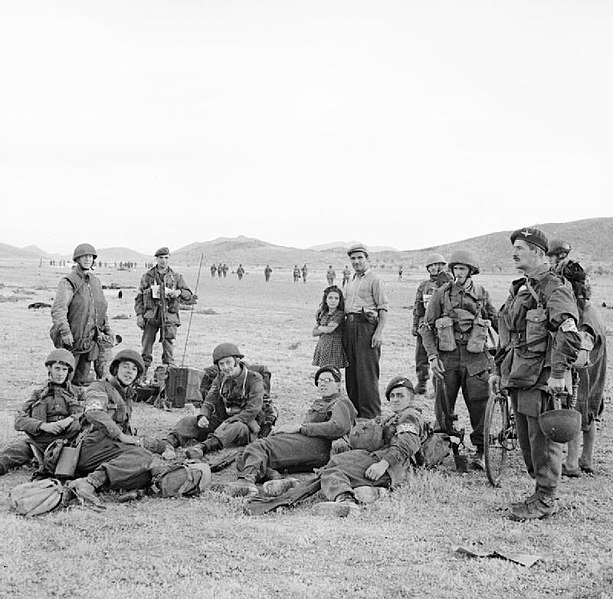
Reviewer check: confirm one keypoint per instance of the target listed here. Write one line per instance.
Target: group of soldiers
(359, 446)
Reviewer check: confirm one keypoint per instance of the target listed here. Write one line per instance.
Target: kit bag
(36, 498)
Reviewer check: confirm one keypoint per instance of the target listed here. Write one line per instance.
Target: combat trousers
(82, 372)
(459, 364)
(148, 339)
(345, 471)
(421, 361)
(362, 374)
(120, 465)
(284, 451)
(229, 434)
(543, 457)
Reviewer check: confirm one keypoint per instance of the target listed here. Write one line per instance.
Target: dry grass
(206, 547)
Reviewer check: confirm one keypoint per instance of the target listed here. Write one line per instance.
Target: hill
(31, 252)
(122, 254)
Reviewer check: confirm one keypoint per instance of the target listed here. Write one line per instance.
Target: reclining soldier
(302, 446)
(51, 413)
(350, 476)
(231, 413)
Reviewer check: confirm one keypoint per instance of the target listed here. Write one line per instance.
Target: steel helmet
(465, 257)
(63, 356)
(224, 350)
(435, 259)
(127, 355)
(557, 246)
(560, 425)
(84, 249)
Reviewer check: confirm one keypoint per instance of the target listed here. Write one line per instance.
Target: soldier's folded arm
(24, 421)
(95, 411)
(339, 424)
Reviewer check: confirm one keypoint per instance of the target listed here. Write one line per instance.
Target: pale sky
(407, 123)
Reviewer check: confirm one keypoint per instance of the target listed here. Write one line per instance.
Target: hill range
(591, 239)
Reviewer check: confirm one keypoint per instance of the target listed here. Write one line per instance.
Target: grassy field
(205, 547)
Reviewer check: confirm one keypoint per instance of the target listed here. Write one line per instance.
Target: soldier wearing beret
(539, 342)
(157, 307)
(366, 314)
(300, 446)
(403, 432)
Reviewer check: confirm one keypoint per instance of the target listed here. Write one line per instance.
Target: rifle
(262, 505)
(456, 436)
(224, 462)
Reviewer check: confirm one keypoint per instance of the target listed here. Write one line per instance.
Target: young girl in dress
(329, 328)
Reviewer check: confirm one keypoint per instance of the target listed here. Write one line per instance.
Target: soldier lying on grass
(301, 446)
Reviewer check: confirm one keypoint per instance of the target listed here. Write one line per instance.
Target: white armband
(407, 427)
(569, 326)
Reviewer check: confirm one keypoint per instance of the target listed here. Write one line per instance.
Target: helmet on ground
(84, 249)
(465, 257)
(557, 246)
(435, 259)
(225, 350)
(560, 425)
(63, 356)
(127, 355)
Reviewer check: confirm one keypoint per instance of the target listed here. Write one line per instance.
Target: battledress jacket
(330, 417)
(50, 403)
(150, 308)
(237, 399)
(538, 336)
(403, 434)
(79, 308)
(424, 293)
(108, 408)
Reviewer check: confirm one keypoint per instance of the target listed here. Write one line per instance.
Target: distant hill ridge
(591, 239)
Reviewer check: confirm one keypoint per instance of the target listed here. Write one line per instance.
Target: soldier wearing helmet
(112, 455)
(231, 413)
(51, 413)
(301, 446)
(539, 342)
(455, 332)
(157, 307)
(79, 316)
(435, 265)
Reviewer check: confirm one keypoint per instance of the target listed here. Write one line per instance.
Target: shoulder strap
(539, 303)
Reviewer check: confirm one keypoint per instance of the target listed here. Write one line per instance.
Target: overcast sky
(405, 123)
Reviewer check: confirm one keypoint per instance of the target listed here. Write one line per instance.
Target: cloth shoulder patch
(569, 325)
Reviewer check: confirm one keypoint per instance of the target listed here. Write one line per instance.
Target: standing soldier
(539, 342)
(346, 275)
(330, 275)
(79, 314)
(435, 264)
(267, 273)
(366, 308)
(240, 271)
(305, 272)
(296, 273)
(157, 307)
(400, 272)
(219, 270)
(225, 270)
(213, 270)
(454, 333)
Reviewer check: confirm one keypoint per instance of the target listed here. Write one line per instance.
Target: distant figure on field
(224, 269)
(157, 307)
(330, 275)
(213, 270)
(330, 320)
(240, 271)
(296, 273)
(267, 273)
(400, 272)
(79, 315)
(305, 272)
(346, 275)
(366, 314)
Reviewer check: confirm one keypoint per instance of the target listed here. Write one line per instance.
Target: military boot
(242, 488)
(276, 487)
(537, 507)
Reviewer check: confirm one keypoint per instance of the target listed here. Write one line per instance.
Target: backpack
(434, 450)
(183, 480)
(36, 498)
(366, 434)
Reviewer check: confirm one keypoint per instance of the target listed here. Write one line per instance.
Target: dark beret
(333, 370)
(399, 381)
(531, 235)
(163, 251)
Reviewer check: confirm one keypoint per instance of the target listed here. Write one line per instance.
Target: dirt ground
(403, 546)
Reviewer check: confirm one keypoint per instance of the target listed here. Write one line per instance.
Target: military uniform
(233, 407)
(330, 276)
(466, 368)
(267, 273)
(346, 275)
(538, 339)
(108, 461)
(424, 293)
(328, 419)
(50, 403)
(403, 434)
(160, 314)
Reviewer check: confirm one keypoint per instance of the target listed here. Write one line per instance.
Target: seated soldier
(51, 413)
(302, 446)
(111, 454)
(402, 435)
(231, 412)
